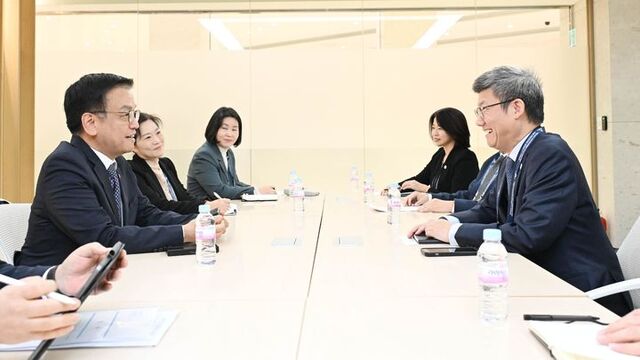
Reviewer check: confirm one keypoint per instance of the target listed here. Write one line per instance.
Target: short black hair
(216, 122)
(454, 123)
(146, 117)
(87, 95)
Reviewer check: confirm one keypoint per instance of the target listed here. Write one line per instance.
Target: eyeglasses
(131, 116)
(479, 111)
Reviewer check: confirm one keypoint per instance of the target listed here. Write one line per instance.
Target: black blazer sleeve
(425, 176)
(464, 171)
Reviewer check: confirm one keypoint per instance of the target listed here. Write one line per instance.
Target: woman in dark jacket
(157, 176)
(453, 166)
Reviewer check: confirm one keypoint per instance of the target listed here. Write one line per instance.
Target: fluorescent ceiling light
(217, 28)
(435, 32)
(322, 18)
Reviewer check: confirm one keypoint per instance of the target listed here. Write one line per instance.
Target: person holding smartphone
(26, 315)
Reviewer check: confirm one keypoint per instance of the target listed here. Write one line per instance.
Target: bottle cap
(203, 209)
(492, 235)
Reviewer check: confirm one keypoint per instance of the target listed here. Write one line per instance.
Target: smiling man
(543, 204)
(87, 192)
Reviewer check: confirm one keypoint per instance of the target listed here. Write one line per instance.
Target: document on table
(112, 328)
(574, 341)
(383, 208)
(261, 197)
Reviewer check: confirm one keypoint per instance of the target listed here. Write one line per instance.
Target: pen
(542, 317)
(54, 295)
(216, 195)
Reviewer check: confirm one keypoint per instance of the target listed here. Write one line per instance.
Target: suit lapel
(223, 169)
(151, 177)
(100, 172)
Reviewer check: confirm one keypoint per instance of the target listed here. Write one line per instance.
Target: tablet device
(449, 251)
(99, 273)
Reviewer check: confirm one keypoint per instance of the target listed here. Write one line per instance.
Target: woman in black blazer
(453, 166)
(157, 176)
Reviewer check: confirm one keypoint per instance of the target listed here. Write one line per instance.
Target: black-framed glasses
(131, 116)
(479, 111)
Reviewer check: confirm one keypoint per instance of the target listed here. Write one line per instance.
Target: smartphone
(424, 239)
(449, 251)
(99, 273)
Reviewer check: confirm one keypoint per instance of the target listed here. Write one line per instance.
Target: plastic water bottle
(393, 205)
(298, 195)
(205, 236)
(493, 277)
(369, 188)
(354, 179)
(292, 180)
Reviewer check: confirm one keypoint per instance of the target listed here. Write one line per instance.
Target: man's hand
(221, 226)
(414, 185)
(623, 335)
(437, 205)
(221, 204)
(416, 198)
(25, 316)
(79, 265)
(438, 229)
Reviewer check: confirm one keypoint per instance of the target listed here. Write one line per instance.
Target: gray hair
(510, 82)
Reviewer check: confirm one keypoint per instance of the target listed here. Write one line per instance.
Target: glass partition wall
(320, 85)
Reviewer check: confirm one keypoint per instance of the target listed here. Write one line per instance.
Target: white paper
(261, 197)
(383, 208)
(575, 339)
(113, 328)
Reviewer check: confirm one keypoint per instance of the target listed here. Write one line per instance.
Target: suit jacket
(19, 272)
(555, 224)
(151, 188)
(455, 174)
(463, 199)
(208, 174)
(74, 205)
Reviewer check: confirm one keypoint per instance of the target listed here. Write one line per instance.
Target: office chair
(628, 256)
(14, 221)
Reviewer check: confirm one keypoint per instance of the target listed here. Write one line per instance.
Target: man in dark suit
(86, 190)
(543, 204)
(25, 315)
(460, 200)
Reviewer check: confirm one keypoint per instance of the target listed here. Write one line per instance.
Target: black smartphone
(449, 251)
(99, 273)
(186, 249)
(424, 239)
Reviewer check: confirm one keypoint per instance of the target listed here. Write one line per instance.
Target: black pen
(542, 317)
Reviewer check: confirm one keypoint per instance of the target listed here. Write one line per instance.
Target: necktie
(115, 186)
(488, 178)
(509, 168)
(232, 179)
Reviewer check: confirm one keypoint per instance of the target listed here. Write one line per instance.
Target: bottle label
(206, 234)
(494, 273)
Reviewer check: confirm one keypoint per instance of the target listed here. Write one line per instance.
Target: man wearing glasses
(543, 204)
(87, 192)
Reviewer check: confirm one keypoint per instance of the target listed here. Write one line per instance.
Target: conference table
(333, 282)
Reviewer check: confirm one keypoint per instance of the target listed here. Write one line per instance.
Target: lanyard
(484, 182)
(518, 167)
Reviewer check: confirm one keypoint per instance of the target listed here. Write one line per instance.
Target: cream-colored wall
(316, 108)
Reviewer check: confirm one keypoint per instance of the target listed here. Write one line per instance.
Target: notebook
(261, 197)
(577, 340)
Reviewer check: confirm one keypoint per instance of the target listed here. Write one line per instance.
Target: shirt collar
(106, 161)
(516, 149)
(223, 151)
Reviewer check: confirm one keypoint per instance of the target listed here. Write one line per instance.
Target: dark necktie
(115, 186)
(232, 179)
(488, 178)
(509, 169)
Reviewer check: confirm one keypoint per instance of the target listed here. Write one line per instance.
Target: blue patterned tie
(115, 186)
